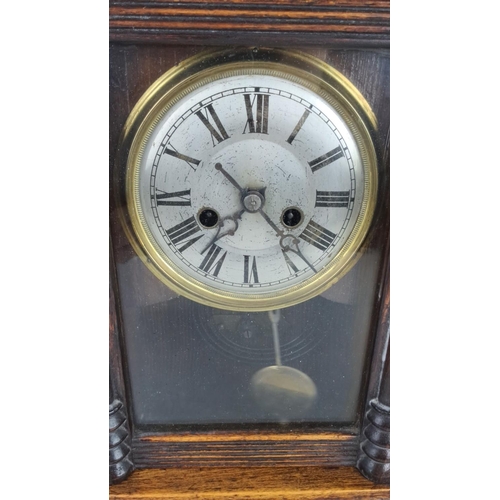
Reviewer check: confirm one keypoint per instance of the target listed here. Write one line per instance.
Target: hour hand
(229, 177)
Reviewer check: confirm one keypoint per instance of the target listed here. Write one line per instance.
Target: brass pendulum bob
(281, 390)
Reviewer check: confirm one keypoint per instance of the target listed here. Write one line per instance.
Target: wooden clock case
(146, 39)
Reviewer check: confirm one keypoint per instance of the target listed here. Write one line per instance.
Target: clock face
(250, 184)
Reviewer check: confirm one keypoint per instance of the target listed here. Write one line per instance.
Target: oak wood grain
(245, 448)
(284, 483)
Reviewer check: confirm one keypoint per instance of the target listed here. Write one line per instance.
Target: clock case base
(363, 59)
(255, 483)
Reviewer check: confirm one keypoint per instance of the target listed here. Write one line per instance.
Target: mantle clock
(249, 249)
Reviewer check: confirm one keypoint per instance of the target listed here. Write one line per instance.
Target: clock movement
(249, 241)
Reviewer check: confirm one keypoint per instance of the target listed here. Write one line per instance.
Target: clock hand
(230, 232)
(277, 230)
(230, 178)
(250, 200)
(286, 246)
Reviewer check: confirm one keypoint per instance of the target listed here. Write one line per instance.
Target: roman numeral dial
(317, 235)
(333, 199)
(326, 159)
(211, 120)
(248, 184)
(299, 125)
(213, 261)
(250, 274)
(257, 111)
(191, 162)
(180, 233)
(176, 199)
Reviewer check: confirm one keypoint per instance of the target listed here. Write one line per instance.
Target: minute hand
(282, 235)
(278, 231)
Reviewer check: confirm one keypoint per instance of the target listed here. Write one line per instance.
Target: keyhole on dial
(292, 217)
(208, 217)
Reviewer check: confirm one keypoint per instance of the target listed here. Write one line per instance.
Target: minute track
(276, 140)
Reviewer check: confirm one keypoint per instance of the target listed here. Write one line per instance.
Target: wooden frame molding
(225, 449)
(328, 22)
(120, 447)
(120, 463)
(256, 483)
(374, 451)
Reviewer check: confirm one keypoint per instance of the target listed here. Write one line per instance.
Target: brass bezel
(203, 68)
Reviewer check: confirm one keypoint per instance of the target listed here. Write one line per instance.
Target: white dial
(249, 183)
